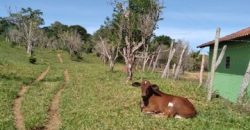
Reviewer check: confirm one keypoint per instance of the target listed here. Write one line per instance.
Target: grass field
(97, 99)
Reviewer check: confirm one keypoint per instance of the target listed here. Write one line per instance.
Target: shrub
(32, 60)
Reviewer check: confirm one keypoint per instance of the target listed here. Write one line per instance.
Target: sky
(193, 21)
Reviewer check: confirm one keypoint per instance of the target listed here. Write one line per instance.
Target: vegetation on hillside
(90, 96)
(99, 99)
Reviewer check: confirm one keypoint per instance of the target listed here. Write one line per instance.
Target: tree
(5, 25)
(27, 22)
(163, 40)
(139, 21)
(108, 40)
(72, 40)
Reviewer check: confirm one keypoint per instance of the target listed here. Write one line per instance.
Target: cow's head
(147, 88)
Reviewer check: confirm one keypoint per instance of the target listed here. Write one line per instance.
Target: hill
(94, 98)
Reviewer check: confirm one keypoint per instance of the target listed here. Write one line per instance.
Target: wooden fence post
(213, 65)
(170, 56)
(156, 59)
(244, 84)
(173, 70)
(202, 70)
(217, 63)
(177, 71)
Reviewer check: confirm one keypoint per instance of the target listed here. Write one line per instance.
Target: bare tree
(15, 36)
(145, 23)
(111, 52)
(72, 41)
(27, 22)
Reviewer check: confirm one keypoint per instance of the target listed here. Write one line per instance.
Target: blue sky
(194, 21)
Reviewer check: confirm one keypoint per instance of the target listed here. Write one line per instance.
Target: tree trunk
(244, 85)
(129, 71)
(111, 65)
(213, 65)
(202, 70)
(29, 47)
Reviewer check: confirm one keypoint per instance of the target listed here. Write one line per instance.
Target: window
(227, 62)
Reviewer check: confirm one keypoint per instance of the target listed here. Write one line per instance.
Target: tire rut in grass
(54, 120)
(18, 116)
(19, 121)
(59, 58)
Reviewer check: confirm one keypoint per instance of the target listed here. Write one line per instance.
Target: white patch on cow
(170, 104)
(178, 117)
(145, 82)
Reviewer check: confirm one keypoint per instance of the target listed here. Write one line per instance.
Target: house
(230, 72)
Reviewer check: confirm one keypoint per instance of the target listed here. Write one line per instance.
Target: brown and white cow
(156, 102)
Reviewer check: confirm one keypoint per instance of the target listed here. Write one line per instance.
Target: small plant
(32, 60)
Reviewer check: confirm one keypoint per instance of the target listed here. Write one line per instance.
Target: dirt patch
(18, 115)
(66, 76)
(19, 121)
(59, 58)
(54, 121)
(54, 116)
(42, 76)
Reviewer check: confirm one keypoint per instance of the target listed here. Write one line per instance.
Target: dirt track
(18, 115)
(54, 120)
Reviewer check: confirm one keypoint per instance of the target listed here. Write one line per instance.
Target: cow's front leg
(169, 112)
(148, 110)
(142, 105)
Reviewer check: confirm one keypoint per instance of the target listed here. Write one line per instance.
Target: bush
(32, 60)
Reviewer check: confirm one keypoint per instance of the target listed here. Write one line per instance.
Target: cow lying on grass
(156, 102)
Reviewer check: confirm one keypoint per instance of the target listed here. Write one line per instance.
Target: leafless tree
(27, 22)
(15, 36)
(146, 24)
(109, 51)
(73, 42)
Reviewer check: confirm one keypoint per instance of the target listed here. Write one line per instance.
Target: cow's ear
(136, 84)
(155, 87)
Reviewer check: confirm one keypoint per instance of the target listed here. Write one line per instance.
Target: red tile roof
(239, 34)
